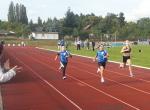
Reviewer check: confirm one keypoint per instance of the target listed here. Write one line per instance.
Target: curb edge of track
(92, 57)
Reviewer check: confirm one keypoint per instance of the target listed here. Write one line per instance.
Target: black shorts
(64, 63)
(125, 58)
(103, 64)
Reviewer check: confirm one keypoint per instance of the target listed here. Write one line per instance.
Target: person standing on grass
(62, 43)
(78, 44)
(88, 44)
(101, 57)
(63, 54)
(93, 45)
(58, 44)
(126, 56)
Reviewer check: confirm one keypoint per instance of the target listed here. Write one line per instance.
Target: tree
(23, 15)
(121, 19)
(71, 21)
(17, 14)
(40, 21)
(11, 12)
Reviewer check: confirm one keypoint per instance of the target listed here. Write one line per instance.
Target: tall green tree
(40, 23)
(23, 15)
(11, 12)
(121, 19)
(17, 13)
(70, 22)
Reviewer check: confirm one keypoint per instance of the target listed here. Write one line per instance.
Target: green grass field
(138, 58)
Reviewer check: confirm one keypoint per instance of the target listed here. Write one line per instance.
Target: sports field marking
(1, 101)
(109, 61)
(131, 87)
(119, 73)
(91, 86)
(92, 57)
(45, 81)
(139, 90)
(104, 93)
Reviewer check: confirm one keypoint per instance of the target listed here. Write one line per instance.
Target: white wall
(45, 36)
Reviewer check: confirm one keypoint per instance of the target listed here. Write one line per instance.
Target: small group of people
(101, 58)
(6, 72)
(84, 44)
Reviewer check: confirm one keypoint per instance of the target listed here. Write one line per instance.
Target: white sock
(102, 80)
(98, 70)
(131, 74)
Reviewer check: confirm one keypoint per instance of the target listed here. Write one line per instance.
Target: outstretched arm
(10, 73)
(57, 56)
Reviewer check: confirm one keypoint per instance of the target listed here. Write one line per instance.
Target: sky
(133, 9)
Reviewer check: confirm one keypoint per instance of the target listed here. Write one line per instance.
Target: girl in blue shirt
(63, 55)
(101, 57)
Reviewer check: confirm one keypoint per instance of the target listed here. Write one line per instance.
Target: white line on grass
(92, 57)
(139, 90)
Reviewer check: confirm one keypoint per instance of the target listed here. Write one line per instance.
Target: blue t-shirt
(101, 55)
(64, 56)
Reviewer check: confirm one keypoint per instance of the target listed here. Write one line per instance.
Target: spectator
(7, 73)
(62, 43)
(58, 44)
(82, 44)
(93, 45)
(87, 44)
(78, 44)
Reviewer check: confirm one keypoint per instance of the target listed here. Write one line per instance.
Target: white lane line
(104, 93)
(1, 101)
(92, 87)
(92, 57)
(131, 87)
(73, 103)
(117, 73)
(139, 90)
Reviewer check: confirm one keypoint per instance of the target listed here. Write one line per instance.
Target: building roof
(45, 32)
(4, 32)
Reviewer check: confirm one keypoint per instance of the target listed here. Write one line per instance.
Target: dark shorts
(64, 63)
(103, 64)
(125, 58)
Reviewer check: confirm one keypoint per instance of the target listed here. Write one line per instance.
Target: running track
(40, 86)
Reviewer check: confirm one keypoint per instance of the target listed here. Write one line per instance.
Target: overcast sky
(133, 9)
